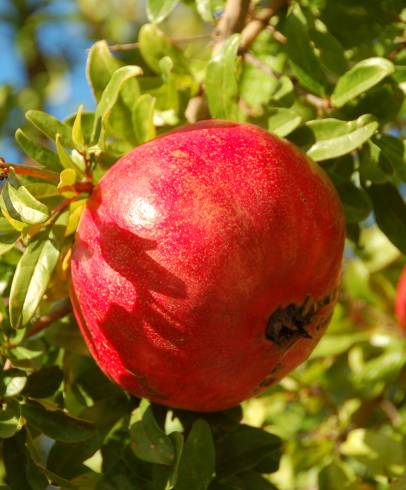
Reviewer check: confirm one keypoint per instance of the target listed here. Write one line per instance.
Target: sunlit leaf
(50, 126)
(31, 277)
(283, 121)
(110, 95)
(221, 81)
(36, 151)
(157, 10)
(101, 65)
(359, 79)
(334, 138)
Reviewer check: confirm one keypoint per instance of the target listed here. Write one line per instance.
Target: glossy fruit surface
(400, 305)
(206, 265)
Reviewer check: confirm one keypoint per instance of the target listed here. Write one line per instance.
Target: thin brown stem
(232, 20)
(259, 23)
(257, 63)
(30, 171)
(182, 40)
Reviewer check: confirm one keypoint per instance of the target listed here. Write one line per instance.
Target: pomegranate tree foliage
(327, 75)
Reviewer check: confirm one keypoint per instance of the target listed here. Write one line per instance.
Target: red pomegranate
(400, 305)
(206, 265)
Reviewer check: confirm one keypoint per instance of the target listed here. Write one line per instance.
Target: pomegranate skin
(400, 302)
(206, 265)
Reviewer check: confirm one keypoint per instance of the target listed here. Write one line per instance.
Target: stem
(58, 311)
(232, 20)
(30, 171)
(131, 46)
(255, 26)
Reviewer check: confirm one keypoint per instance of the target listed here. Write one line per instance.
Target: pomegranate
(400, 304)
(206, 265)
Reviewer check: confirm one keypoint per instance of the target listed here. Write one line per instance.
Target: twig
(255, 26)
(182, 40)
(277, 35)
(36, 172)
(232, 20)
(58, 311)
(254, 61)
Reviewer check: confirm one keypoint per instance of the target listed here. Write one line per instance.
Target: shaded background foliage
(328, 75)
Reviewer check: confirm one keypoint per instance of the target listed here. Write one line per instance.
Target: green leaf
(221, 80)
(10, 421)
(283, 121)
(204, 9)
(44, 382)
(332, 55)
(302, 58)
(196, 467)
(390, 213)
(50, 126)
(399, 484)
(244, 449)
(101, 65)
(334, 138)
(356, 202)
(333, 477)
(64, 158)
(150, 443)
(77, 133)
(372, 167)
(364, 75)
(110, 95)
(8, 236)
(143, 118)
(12, 382)
(393, 151)
(36, 151)
(155, 45)
(157, 10)
(21, 205)
(57, 424)
(31, 277)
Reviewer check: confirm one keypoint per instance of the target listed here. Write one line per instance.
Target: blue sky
(57, 38)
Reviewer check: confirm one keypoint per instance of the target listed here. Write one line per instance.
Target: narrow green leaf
(222, 82)
(158, 10)
(390, 213)
(57, 424)
(22, 205)
(77, 133)
(31, 277)
(302, 58)
(150, 443)
(110, 95)
(197, 464)
(10, 421)
(64, 158)
(155, 45)
(50, 126)
(101, 65)
(8, 236)
(36, 151)
(359, 79)
(283, 121)
(143, 118)
(334, 138)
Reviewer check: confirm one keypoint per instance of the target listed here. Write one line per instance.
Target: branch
(257, 63)
(30, 171)
(255, 26)
(58, 311)
(232, 20)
